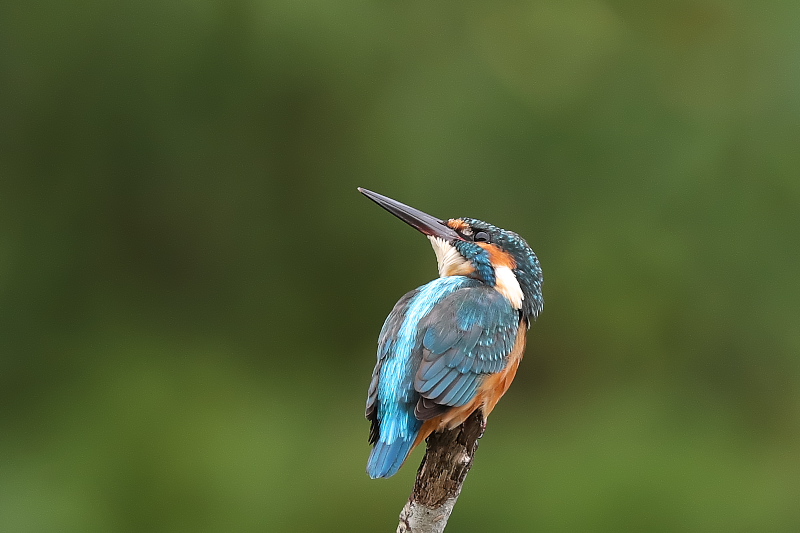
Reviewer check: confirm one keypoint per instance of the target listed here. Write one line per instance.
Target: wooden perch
(448, 458)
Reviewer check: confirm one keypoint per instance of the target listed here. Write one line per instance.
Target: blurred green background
(192, 288)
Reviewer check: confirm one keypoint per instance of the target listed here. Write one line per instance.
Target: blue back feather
(395, 395)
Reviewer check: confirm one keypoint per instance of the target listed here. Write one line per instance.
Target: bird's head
(477, 249)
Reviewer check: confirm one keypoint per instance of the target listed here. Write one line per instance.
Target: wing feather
(467, 336)
(385, 342)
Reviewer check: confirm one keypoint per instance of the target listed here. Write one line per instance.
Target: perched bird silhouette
(451, 346)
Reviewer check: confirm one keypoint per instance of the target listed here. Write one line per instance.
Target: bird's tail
(386, 459)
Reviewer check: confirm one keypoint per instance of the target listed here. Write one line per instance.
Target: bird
(453, 345)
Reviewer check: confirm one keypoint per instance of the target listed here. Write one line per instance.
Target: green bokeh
(192, 288)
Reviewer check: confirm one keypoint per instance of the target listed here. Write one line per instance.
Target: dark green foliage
(192, 287)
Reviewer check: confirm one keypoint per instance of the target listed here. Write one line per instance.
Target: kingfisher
(451, 346)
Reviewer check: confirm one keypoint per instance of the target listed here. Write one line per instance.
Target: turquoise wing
(466, 337)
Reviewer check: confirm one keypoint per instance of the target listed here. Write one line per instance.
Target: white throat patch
(449, 260)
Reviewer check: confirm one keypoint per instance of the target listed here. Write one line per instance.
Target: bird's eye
(481, 236)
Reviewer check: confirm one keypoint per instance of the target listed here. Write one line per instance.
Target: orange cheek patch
(497, 256)
(458, 224)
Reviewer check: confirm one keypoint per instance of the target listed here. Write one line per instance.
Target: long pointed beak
(427, 224)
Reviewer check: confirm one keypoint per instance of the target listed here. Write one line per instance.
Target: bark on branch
(448, 458)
